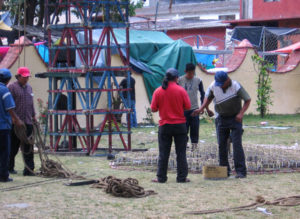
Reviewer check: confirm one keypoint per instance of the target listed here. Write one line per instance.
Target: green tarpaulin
(143, 44)
(175, 55)
(158, 52)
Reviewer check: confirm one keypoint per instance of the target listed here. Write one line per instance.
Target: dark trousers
(4, 153)
(229, 126)
(192, 125)
(166, 134)
(216, 125)
(27, 151)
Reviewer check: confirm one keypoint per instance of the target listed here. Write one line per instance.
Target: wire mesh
(259, 158)
(216, 53)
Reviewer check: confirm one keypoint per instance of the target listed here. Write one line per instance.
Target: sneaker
(12, 172)
(187, 180)
(240, 176)
(6, 179)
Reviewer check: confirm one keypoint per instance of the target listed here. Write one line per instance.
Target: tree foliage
(264, 85)
(34, 13)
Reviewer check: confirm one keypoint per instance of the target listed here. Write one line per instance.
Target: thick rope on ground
(260, 201)
(49, 168)
(128, 188)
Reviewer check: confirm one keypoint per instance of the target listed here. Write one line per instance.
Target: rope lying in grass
(260, 201)
(49, 168)
(127, 188)
(33, 184)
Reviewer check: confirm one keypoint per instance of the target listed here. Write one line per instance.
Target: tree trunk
(170, 4)
(30, 12)
(41, 13)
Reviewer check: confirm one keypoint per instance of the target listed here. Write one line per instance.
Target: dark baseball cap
(220, 78)
(5, 73)
(172, 72)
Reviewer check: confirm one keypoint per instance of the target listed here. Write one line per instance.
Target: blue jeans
(192, 125)
(4, 153)
(228, 126)
(133, 121)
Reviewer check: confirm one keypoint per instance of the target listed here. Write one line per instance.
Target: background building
(271, 13)
(188, 18)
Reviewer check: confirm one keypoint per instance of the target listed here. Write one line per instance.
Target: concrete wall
(286, 86)
(217, 32)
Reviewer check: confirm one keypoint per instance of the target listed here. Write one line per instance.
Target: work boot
(194, 146)
(6, 179)
(28, 173)
(12, 171)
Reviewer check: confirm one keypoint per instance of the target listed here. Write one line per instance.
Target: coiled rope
(260, 201)
(127, 188)
(49, 168)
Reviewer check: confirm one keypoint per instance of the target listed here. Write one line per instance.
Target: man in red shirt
(171, 100)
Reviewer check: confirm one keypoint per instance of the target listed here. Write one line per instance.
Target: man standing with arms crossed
(192, 85)
(228, 95)
(23, 96)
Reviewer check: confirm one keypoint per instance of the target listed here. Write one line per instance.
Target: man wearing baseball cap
(23, 96)
(7, 115)
(171, 100)
(228, 95)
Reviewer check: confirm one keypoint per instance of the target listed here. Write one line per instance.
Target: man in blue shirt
(7, 115)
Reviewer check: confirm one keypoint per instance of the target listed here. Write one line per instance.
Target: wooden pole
(170, 4)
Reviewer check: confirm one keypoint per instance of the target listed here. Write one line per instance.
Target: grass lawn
(54, 200)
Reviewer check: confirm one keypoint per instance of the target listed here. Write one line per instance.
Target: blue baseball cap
(172, 72)
(220, 78)
(5, 73)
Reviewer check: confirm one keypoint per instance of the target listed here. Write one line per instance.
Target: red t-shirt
(171, 104)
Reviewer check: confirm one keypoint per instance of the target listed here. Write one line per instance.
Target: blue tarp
(44, 52)
(205, 60)
(6, 18)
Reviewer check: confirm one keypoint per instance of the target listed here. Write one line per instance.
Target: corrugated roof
(260, 20)
(184, 16)
(189, 9)
(181, 24)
